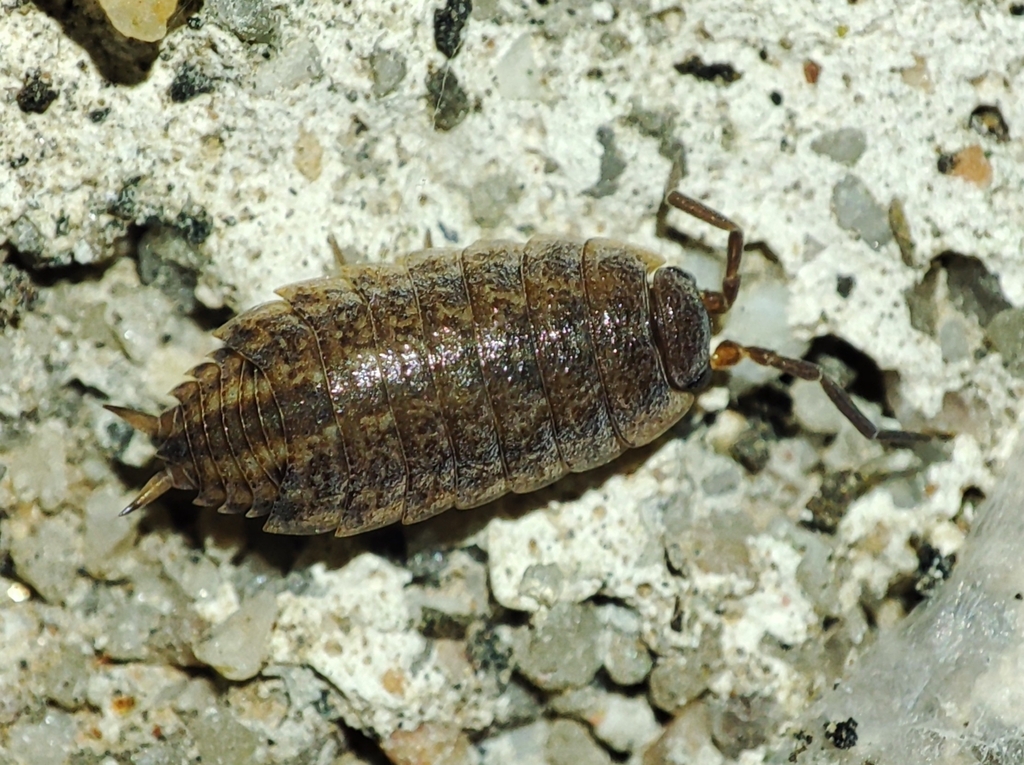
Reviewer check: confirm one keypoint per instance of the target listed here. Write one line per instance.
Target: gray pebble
(221, 739)
(857, 211)
(25, 236)
(715, 545)
(296, 63)
(252, 21)
(388, 69)
(47, 559)
(569, 743)
(447, 101)
(129, 626)
(626, 658)
(169, 262)
(542, 582)
(612, 165)
(845, 145)
(65, 676)
(491, 197)
(42, 740)
(39, 472)
(562, 649)
(237, 647)
(17, 294)
(740, 723)
(677, 680)
(1006, 334)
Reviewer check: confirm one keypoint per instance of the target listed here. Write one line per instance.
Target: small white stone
(194, 573)
(726, 430)
(813, 408)
(83, 253)
(687, 738)
(462, 591)
(49, 741)
(523, 746)
(297, 63)
(18, 593)
(714, 399)
(39, 468)
(624, 723)
(47, 554)
(760, 318)
(108, 537)
(238, 647)
(603, 11)
(517, 73)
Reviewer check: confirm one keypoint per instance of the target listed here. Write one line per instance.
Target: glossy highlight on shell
(395, 392)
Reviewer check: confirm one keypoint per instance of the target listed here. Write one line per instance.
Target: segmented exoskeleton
(395, 392)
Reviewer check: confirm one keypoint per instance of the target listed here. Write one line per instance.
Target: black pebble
(36, 95)
(448, 25)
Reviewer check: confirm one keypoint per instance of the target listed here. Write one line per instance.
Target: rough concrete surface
(688, 603)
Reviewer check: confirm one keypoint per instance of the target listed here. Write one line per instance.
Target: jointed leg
(729, 354)
(716, 303)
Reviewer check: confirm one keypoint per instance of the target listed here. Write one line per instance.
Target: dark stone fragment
(971, 287)
(933, 568)
(36, 95)
(753, 449)
(845, 285)
(945, 163)
(843, 735)
(448, 102)
(448, 25)
(188, 83)
(18, 295)
(194, 224)
(989, 121)
(487, 652)
(612, 165)
(830, 504)
(722, 73)
(740, 723)
(438, 625)
(124, 206)
(168, 261)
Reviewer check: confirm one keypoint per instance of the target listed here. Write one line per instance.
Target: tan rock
(140, 19)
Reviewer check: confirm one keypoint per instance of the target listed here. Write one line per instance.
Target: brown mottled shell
(395, 392)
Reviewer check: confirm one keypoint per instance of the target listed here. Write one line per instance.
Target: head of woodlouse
(682, 329)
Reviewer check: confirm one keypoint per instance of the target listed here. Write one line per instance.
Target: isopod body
(395, 392)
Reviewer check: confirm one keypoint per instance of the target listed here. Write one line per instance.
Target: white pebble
(604, 12)
(238, 647)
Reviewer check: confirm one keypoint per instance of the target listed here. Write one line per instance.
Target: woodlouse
(394, 392)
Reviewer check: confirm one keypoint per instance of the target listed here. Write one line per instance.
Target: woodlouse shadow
(120, 59)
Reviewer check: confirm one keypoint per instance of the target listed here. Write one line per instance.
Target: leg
(716, 303)
(339, 255)
(728, 354)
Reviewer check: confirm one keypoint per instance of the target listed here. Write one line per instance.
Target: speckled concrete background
(685, 604)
